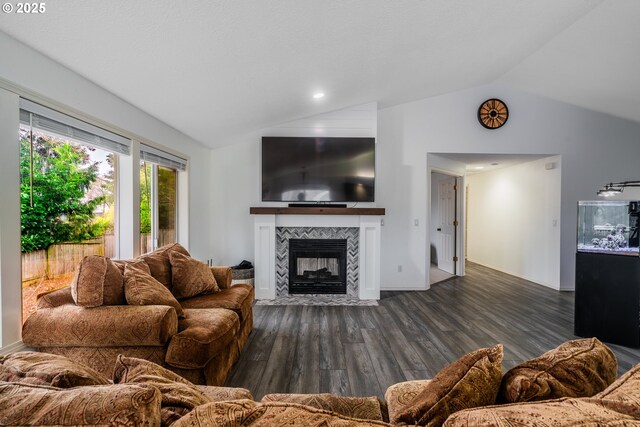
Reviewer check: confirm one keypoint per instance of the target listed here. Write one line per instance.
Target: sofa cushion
(220, 394)
(578, 368)
(238, 298)
(158, 262)
(190, 277)
(106, 326)
(25, 405)
(624, 394)
(355, 407)
(141, 288)
(565, 412)
(471, 381)
(179, 396)
(400, 395)
(203, 333)
(246, 413)
(97, 282)
(47, 369)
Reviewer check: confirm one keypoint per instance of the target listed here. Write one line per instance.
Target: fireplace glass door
(317, 266)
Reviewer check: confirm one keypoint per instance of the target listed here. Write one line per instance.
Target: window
(158, 198)
(68, 172)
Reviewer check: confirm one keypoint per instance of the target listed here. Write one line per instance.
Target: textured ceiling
(218, 69)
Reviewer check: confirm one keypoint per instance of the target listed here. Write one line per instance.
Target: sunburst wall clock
(493, 113)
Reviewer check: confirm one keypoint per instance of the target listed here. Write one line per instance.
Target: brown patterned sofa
(163, 307)
(43, 389)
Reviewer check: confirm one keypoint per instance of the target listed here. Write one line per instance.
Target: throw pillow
(471, 381)
(142, 289)
(97, 282)
(578, 368)
(190, 277)
(355, 407)
(47, 369)
(33, 405)
(179, 396)
(158, 262)
(122, 263)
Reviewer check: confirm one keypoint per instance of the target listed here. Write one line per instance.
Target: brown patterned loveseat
(164, 307)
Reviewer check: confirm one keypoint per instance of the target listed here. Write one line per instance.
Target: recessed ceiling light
(495, 164)
(478, 168)
(318, 95)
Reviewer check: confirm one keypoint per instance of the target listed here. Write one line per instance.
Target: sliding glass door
(158, 205)
(68, 173)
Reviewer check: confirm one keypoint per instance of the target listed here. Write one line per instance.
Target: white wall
(10, 290)
(595, 148)
(236, 175)
(26, 72)
(513, 220)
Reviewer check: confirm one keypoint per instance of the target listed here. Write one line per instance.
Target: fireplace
(317, 266)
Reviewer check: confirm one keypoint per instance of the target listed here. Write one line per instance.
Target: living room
(412, 77)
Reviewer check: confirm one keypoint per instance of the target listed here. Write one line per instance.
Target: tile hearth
(316, 299)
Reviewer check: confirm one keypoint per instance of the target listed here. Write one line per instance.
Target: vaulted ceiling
(218, 69)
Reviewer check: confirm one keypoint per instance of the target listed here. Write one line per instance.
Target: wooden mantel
(315, 211)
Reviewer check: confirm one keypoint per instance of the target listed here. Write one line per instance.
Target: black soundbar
(317, 205)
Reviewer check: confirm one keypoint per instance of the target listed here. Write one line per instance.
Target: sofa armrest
(223, 276)
(55, 298)
(106, 326)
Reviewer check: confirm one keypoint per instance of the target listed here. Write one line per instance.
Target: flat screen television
(297, 169)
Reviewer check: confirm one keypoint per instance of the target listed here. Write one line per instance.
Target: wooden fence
(59, 259)
(63, 258)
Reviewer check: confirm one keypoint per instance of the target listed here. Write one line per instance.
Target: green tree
(145, 198)
(53, 188)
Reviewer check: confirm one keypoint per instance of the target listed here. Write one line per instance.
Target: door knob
(439, 229)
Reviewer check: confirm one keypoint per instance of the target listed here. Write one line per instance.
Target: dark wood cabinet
(607, 299)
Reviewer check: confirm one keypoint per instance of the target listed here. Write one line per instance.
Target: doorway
(444, 227)
(508, 208)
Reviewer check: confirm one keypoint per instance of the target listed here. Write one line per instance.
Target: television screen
(318, 169)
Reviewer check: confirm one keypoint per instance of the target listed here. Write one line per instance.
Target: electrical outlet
(399, 269)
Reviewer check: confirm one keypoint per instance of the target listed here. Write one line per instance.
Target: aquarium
(609, 227)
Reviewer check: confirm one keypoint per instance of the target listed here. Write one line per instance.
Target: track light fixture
(613, 188)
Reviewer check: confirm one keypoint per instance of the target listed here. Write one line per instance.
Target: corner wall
(596, 148)
(513, 220)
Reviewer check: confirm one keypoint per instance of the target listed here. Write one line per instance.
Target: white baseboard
(405, 288)
(521, 276)
(14, 348)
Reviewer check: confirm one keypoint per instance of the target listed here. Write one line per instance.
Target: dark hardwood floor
(360, 351)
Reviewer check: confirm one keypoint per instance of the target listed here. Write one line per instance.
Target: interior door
(446, 228)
